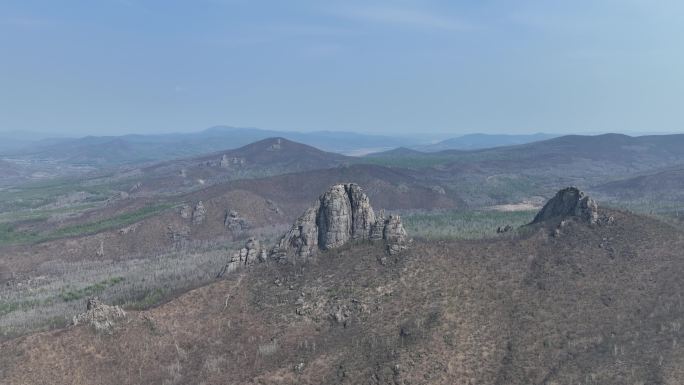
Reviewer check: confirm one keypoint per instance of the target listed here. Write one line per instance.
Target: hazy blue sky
(114, 66)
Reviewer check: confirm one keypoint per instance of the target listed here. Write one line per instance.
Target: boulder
(100, 316)
(185, 211)
(569, 202)
(234, 222)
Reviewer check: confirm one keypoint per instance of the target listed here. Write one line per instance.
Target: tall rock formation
(569, 202)
(341, 214)
(199, 213)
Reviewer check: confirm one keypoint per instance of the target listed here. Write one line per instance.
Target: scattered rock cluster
(438, 189)
(340, 215)
(569, 202)
(198, 214)
(129, 229)
(234, 222)
(228, 162)
(100, 316)
(250, 254)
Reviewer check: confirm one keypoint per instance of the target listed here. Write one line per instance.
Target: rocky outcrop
(199, 213)
(340, 215)
(228, 162)
(301, 241)
(569, 202)
(394, 235)
(438, 189)
(344, 213)
(185, 211)
(100, 316)
(277, 146)
(129, 229)
(234, 222)
(249, 255)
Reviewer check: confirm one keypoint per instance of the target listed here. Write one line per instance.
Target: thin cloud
(403, 17)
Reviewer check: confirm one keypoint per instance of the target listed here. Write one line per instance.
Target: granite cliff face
(342, 214)
(569, 202)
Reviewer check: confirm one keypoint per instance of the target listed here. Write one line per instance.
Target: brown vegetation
(594, 305)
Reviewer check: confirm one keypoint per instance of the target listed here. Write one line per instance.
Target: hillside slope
(660, 185)
(522, 172)
(481, 141)
(262, 204)
(272, 156)
(594, 305)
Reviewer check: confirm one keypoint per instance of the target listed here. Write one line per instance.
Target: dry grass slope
(595, 305)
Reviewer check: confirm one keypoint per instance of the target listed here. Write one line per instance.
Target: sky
(384, 67)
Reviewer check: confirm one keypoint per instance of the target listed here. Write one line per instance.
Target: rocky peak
(341, 214)
(569, 202)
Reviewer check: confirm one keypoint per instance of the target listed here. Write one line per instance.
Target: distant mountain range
(480, 141)
(103, 151)
(130, 149)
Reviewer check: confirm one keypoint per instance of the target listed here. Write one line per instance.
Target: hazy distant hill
(480, 141)
(130, 149)
(660, 185)
(8, 169)
(397, 152)
(626, 152)
(267, 157)
(515, 173)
